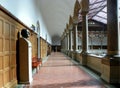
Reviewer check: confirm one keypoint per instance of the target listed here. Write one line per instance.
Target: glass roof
(97, 11)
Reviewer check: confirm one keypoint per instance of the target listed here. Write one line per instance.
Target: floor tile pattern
(59, 72)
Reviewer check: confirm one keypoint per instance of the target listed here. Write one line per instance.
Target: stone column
(70, 40)
(64, 42)
(75, 40)
(61, 44)
(111, 63)
(67, 41)
(84, 38)
(75, 37)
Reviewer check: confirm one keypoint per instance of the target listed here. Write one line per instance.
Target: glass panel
(94, 1)
(105, 9)
(97, 11)
(100, 19)
(104, 15)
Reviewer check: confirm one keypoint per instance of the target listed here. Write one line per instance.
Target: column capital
(75, 20)
(67, 31)
(64, 34)
(84, 5)
(70, 27)
(83, 13)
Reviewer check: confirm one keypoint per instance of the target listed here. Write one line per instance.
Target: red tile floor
(60, 72)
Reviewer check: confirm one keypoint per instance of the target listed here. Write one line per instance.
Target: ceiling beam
(98, 7)
(99, 10)
(98, 2)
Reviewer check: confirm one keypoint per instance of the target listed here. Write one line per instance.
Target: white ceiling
(55, 14)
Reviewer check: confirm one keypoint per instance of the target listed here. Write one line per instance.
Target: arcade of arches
(92, 43)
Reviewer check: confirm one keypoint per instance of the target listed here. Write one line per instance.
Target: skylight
(97, 11)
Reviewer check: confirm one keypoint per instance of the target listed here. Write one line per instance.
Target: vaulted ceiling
(56, 13)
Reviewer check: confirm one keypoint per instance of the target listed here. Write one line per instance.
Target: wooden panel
(1, 79)
(6, 77)
(94, 63)
(7, 44)
(1, 26)
(6, 61)
(7, 29)
(33, 40)
(13, 60)
(16, 33)
(13, 73)
(1, 45)
(35, 45)
(13, 31)
(13, 45)
(43, 48)
(8, 36)
(1, 62)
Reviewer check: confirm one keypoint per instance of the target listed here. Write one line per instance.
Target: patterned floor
(60, 72)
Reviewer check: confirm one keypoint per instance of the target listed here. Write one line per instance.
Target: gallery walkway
(59, 71)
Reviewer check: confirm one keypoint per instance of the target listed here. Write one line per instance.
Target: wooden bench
(36, 63)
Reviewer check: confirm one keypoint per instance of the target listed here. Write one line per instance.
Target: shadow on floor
(92, 83)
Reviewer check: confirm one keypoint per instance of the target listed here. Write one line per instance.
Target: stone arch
(76, 9)
(70, 22)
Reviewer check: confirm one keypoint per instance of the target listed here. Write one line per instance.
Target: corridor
(60, 71)
(86, 31)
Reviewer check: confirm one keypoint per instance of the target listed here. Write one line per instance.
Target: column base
(78, 56)
(111, 69)
(84, 58)
(69, 53)
(63, 51)
(74, 54)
